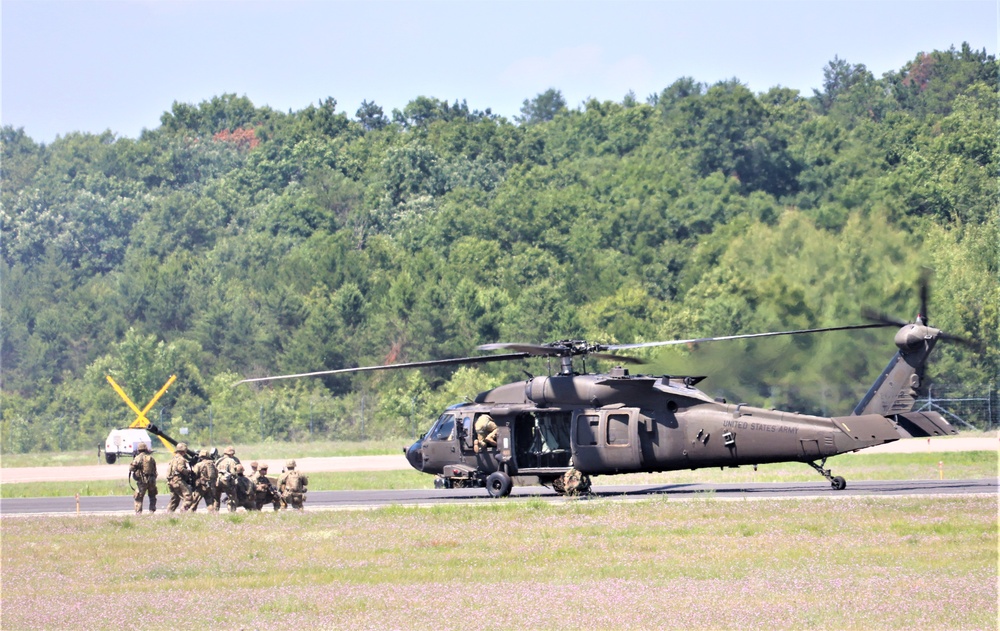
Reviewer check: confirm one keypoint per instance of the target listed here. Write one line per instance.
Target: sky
(118, 65)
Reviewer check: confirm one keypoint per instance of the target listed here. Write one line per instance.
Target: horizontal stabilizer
(923, 424)
(864, 431)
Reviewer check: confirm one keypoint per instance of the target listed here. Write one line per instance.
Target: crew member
(292, 487)
(143, 470)
(486, 433)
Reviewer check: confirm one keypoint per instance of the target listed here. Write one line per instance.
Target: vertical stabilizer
(896, 389)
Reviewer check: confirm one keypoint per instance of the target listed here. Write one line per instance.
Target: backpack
(148, 465)
(293, 482)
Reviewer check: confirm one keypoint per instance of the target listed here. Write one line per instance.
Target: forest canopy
(236, 241)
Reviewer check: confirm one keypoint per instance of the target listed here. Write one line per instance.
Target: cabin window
(586, 430)
(466, 432)
(618, 429)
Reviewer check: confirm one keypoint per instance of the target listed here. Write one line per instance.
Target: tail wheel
(498, 484)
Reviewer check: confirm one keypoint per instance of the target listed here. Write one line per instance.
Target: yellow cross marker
(140, 419)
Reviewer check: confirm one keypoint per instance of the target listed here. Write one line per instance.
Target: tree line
(236, 241)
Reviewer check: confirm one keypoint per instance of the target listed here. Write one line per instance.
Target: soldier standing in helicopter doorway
(486, 433)
(143, 471)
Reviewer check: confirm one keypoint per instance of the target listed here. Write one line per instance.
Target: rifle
(272, 493)
(189, 455)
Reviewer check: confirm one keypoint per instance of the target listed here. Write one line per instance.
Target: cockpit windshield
(443, 428)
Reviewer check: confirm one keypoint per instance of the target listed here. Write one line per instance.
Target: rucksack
(148, 465)
(293, 482)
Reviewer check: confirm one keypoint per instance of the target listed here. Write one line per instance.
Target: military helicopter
(560, 429)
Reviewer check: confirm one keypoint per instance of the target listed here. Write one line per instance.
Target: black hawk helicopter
(559, 430)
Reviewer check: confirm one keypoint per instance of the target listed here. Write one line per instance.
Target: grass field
(852, 563)
(860, 466)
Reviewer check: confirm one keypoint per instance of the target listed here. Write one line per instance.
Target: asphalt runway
(353, 500)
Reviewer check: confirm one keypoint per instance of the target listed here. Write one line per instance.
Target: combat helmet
(142, 447)
(239, 469)
(262, 468)
(181, 447)
(290, 464)
(204, 453)
(230, 451)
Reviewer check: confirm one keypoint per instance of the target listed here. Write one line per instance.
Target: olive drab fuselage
(606, 424)
(601, 424)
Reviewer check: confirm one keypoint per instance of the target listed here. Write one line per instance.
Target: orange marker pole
(77, 503)
(941, 469)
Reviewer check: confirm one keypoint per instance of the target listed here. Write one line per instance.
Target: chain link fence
(965, 407)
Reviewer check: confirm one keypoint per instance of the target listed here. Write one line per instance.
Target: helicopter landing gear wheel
(838, 483)
(498, 484)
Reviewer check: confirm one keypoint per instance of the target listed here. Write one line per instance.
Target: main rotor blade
(746, 336)
(424, 364)
(530, 349)
(625, 359)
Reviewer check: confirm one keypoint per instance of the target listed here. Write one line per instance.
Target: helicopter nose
(415, 455)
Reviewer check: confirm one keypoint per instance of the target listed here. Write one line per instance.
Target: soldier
(143, 470)
(264, 489)
(253, 470)
(227, 478)
(245, 494)
(292, 487)
(179, 479)
(486, 433)
(205, 482)
(576, 483)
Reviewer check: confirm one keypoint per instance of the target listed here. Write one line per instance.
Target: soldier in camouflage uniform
(143, 471)
(205, 482)
(264, 489)
(576, 483)
(292, 487)
(245, 494)
(227, 478)
(179, 478)
(486, 433)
